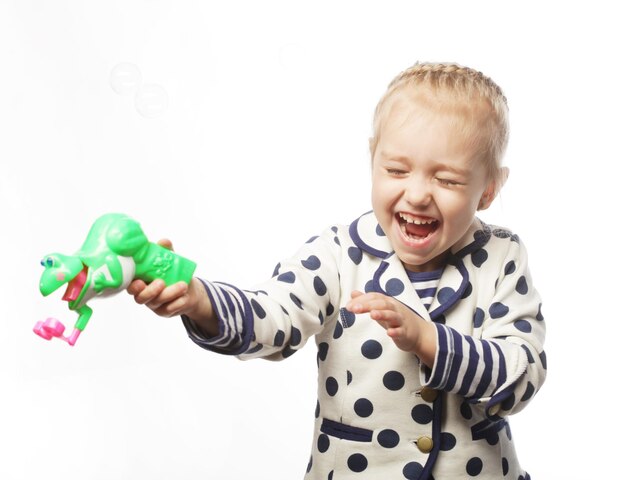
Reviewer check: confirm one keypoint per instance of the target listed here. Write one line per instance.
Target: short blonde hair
(480, 107)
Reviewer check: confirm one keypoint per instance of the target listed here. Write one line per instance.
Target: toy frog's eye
(47, 262)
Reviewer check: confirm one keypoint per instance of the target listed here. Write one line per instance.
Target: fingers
(164, 301)
(367, 302)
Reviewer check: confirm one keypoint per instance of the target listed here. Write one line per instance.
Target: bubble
(151, 100)
(125, 78)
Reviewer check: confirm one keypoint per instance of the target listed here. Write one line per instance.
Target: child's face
(426, 187)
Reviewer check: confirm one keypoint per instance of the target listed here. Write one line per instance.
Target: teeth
(418, 221)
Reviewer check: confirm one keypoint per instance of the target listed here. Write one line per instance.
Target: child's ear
(493, 189)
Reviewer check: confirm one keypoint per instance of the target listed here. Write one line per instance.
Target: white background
(262, 144)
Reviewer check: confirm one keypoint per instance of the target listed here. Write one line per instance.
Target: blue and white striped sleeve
(276, 318)
(234, 312)
(502, 364)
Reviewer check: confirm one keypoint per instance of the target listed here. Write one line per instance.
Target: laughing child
(428, 327)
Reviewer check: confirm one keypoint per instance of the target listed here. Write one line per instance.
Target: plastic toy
(115, 253)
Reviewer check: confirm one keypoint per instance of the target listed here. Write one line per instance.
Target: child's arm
(407, 329)
(177, 299)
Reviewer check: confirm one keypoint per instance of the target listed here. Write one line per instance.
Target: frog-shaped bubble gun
(115, 253)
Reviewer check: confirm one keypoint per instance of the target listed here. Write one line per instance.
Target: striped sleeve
(502, 364)
(234, 312)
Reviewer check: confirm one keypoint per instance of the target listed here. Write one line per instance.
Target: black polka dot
(332, 386)
(357, 462)
(348, 318)
(388, 438)
(530, 391)
(355, 254)
(296, 301)
(296, 337)
(412, 471)
(311, 263)
(474, 466)
(393, 380)
(466, 411)
(371, 349)
(529, 355)
(323, 442)
(523, 325)
(287, 277)
(276, 270)
(320, 316)
(510, 268)
(369, 286)
(279, 338)
(258, 309)
(336, 239)
(288, 352)
(445, 294)
(349, 377)
(319, 286)
(498, 310)
(448, 441)
(479, 257)
(338, 331)
(522, 286)
(322, 351)
(330, 475)
(422, 414)
(329, 309)
(363, 407)
(310, 465)
(312, 239)
(539, 314)
(505, 466)
(394, 287)
(544, 360)
(479, 318)
(317, 409)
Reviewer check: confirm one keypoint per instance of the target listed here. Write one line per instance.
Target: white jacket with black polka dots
(380, 413)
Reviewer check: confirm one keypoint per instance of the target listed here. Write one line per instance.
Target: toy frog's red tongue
(75, 286)
(421, 230)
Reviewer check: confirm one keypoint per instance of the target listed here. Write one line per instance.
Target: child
(428, 328)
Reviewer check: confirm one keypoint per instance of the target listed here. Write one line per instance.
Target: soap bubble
(125, 78)
(151, 100)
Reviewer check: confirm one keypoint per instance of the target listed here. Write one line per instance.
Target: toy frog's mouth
(75, 286)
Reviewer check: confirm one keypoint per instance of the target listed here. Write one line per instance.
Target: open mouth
(416, 228)
(75, 286)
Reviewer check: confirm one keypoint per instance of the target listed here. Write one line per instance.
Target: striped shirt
(425, 284)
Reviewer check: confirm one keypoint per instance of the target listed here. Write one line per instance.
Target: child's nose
(418, 193)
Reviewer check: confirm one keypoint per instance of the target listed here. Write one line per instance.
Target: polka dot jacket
(380, 413)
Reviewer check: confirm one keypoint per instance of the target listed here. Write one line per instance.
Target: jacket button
(429, 394)
(425, 444)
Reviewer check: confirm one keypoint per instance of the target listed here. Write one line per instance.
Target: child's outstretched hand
(177, 299)
(407, 329)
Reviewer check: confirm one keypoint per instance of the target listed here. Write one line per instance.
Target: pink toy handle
(52, 327)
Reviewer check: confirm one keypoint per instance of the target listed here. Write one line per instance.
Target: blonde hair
(480, 107)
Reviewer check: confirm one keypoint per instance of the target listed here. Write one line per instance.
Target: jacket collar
(368, 235)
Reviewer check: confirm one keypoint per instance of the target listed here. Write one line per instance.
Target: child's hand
(177, 299)
(407, 329)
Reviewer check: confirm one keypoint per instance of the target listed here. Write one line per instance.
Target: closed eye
(449, 183)
(395, 172)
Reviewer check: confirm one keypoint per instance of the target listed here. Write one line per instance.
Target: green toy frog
(115, 253)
